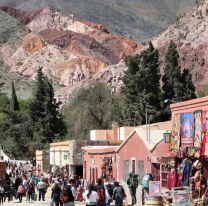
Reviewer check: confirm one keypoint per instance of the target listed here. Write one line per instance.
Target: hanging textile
(197, 128)
(204, 145)
(187, 130)
(175, 137)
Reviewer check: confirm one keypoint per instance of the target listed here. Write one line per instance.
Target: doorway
(79, 171)
(156, 171)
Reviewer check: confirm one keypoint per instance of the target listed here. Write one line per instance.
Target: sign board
(181, 196)
(154, 188)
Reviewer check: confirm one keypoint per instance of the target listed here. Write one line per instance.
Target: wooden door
(156, 171)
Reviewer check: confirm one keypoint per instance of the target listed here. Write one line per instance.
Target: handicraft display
(187, 130)
(175, 138)
(197, 128)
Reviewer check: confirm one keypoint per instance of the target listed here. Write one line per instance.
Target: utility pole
(146, 123)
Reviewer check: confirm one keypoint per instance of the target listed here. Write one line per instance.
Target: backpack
(64, 198)
(101, 194)
(22, 189)
(66, 194)
(133, 182)
(145, 181)
(119, 193)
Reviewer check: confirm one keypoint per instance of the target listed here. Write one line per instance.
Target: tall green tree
(172, 82)
(189, 91)
(48, 122)
(36, 106)
(142, 88)
(14, 102)
(176, 87)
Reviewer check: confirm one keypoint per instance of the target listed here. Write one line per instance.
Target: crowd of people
(22, 181)
(99, 194)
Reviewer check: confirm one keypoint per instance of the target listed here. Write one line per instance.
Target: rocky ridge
(137, 19)
(190, 33)
(69, 50)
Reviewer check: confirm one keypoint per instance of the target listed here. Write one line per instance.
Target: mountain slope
(69, 50)
(139, 19)
(11, 32)
(190, 34)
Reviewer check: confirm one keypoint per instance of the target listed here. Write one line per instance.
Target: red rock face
(71, 51)
(22, 16)
(79, 44)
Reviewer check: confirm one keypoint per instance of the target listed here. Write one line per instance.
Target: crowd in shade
(22, 181)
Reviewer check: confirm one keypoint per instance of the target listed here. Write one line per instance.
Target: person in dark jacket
(7, 191)
(55, 196)
(132, 182)
(118, 194)
(30, 191)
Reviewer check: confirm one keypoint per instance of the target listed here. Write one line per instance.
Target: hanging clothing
(187, 172)
(172, 180)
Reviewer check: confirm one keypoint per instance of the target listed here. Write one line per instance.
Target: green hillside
(11, 32)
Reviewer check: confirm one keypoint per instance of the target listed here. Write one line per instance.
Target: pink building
(141, 151)
(190, 106)
(144, 151)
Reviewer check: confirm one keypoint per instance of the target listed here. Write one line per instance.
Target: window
(133, 166)
(65, 157)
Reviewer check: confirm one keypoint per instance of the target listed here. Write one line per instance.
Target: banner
(197, 128)
(187, 130)
(204, 145)
(175, 137)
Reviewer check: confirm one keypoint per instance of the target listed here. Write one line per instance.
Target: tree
(142, 88)
(188, 85)
(176, 87)
(93, 107)
(172, 83)
(43, 109)
(36, 107)
(14, 102)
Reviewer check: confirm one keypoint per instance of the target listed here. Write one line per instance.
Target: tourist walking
(31, 191)
(7, 191)
(20, 192)
(100, 189)
(42, 187)
(118, 194)
(1, 194)
(66, 197)
(56, 192)
(133, 183)
(90, 196)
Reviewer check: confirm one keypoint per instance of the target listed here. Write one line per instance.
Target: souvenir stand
(189, 164)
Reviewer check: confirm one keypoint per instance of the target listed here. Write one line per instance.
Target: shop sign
(154, 188)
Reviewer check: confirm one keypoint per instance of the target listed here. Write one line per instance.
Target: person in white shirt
(90, 196)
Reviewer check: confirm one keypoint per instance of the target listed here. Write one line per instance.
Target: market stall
(189, 164)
